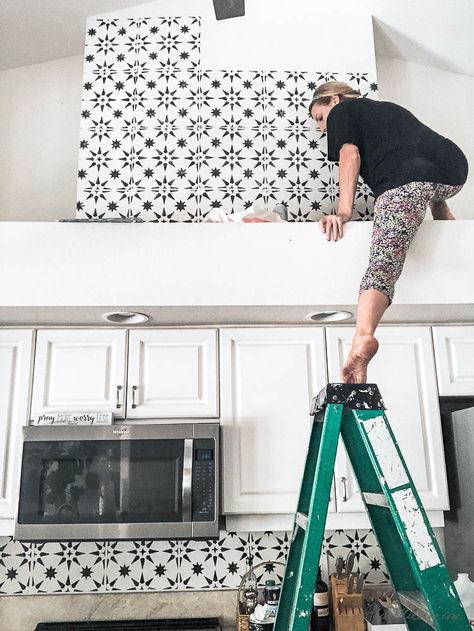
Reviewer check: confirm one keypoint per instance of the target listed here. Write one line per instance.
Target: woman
(408, 166)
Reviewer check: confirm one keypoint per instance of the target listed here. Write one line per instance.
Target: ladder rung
(415, 603)
(375, 499)
(301, 520)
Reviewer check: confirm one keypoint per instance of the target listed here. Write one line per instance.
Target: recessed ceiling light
(329, 316)
(125, 317)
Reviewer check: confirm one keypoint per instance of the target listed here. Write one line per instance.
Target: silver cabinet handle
(118, 405)
(187, 479)
(134, 389)
(344, 480)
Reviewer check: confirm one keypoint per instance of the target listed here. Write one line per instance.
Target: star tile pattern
(162, 565)
(166, 140)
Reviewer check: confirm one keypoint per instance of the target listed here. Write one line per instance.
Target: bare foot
(363, 349)
(440, 210)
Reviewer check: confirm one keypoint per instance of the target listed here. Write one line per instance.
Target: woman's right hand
(331, 226)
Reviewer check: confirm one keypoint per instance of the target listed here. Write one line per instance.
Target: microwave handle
(187, 478)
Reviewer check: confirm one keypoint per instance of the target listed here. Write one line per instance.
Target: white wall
(40, 112)
(444, 101)
(276, 35)
(39, 131)
(40, 105)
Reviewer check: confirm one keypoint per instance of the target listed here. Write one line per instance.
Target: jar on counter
(248, 591)
(250, 600)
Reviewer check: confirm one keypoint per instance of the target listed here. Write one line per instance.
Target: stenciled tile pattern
(163, 565)
(163, 139)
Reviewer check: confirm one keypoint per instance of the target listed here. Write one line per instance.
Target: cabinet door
(269, 377)
(172, 373)
(404, 370)
(454, 350)
(79, 371)
(16, 352)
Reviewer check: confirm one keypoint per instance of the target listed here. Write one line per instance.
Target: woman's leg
(397, 216)
(438, 206)
(441, 210)
(371, 307)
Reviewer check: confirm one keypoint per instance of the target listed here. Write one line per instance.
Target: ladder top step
(357, 396)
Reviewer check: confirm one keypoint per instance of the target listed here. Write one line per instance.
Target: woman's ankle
(363, 334)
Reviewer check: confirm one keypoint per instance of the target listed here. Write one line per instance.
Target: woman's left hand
(331, 226)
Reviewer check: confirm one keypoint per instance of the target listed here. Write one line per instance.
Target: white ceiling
(441, 35)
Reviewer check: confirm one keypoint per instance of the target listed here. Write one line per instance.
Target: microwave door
(157, 481)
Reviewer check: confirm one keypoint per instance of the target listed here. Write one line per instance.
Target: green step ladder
(404, 534)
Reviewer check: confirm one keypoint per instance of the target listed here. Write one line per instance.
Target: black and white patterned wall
(163, 139)
(129, 566)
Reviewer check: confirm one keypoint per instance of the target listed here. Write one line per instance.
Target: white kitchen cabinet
(172, 373)
(454, 350)
(404, 371)
(79, 370)
(16, 353)
(269, 377)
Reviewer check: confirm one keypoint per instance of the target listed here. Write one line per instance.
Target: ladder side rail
(296, 598)
(421, 549)
(381, 519)
(288, 588)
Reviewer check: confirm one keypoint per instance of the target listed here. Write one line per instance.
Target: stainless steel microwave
(119, 482)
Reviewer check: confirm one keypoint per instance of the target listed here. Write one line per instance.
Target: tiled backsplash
(130, 566)
(166, 140)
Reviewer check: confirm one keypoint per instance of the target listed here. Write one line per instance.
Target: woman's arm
(349, 166)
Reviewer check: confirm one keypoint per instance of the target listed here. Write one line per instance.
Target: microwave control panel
(204, 479)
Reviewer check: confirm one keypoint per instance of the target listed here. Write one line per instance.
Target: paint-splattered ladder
(411, 552)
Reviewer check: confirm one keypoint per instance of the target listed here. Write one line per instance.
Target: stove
(170, 624)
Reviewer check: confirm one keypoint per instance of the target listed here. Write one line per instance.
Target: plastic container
(281, 209)
(261, 214)
(260, 626)
(465, 589)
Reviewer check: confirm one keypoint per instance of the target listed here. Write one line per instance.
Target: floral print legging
(398, 214)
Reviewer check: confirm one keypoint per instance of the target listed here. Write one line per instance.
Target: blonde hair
(323, 93)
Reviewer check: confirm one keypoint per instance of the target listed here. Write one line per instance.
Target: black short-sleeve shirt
(394, 146)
